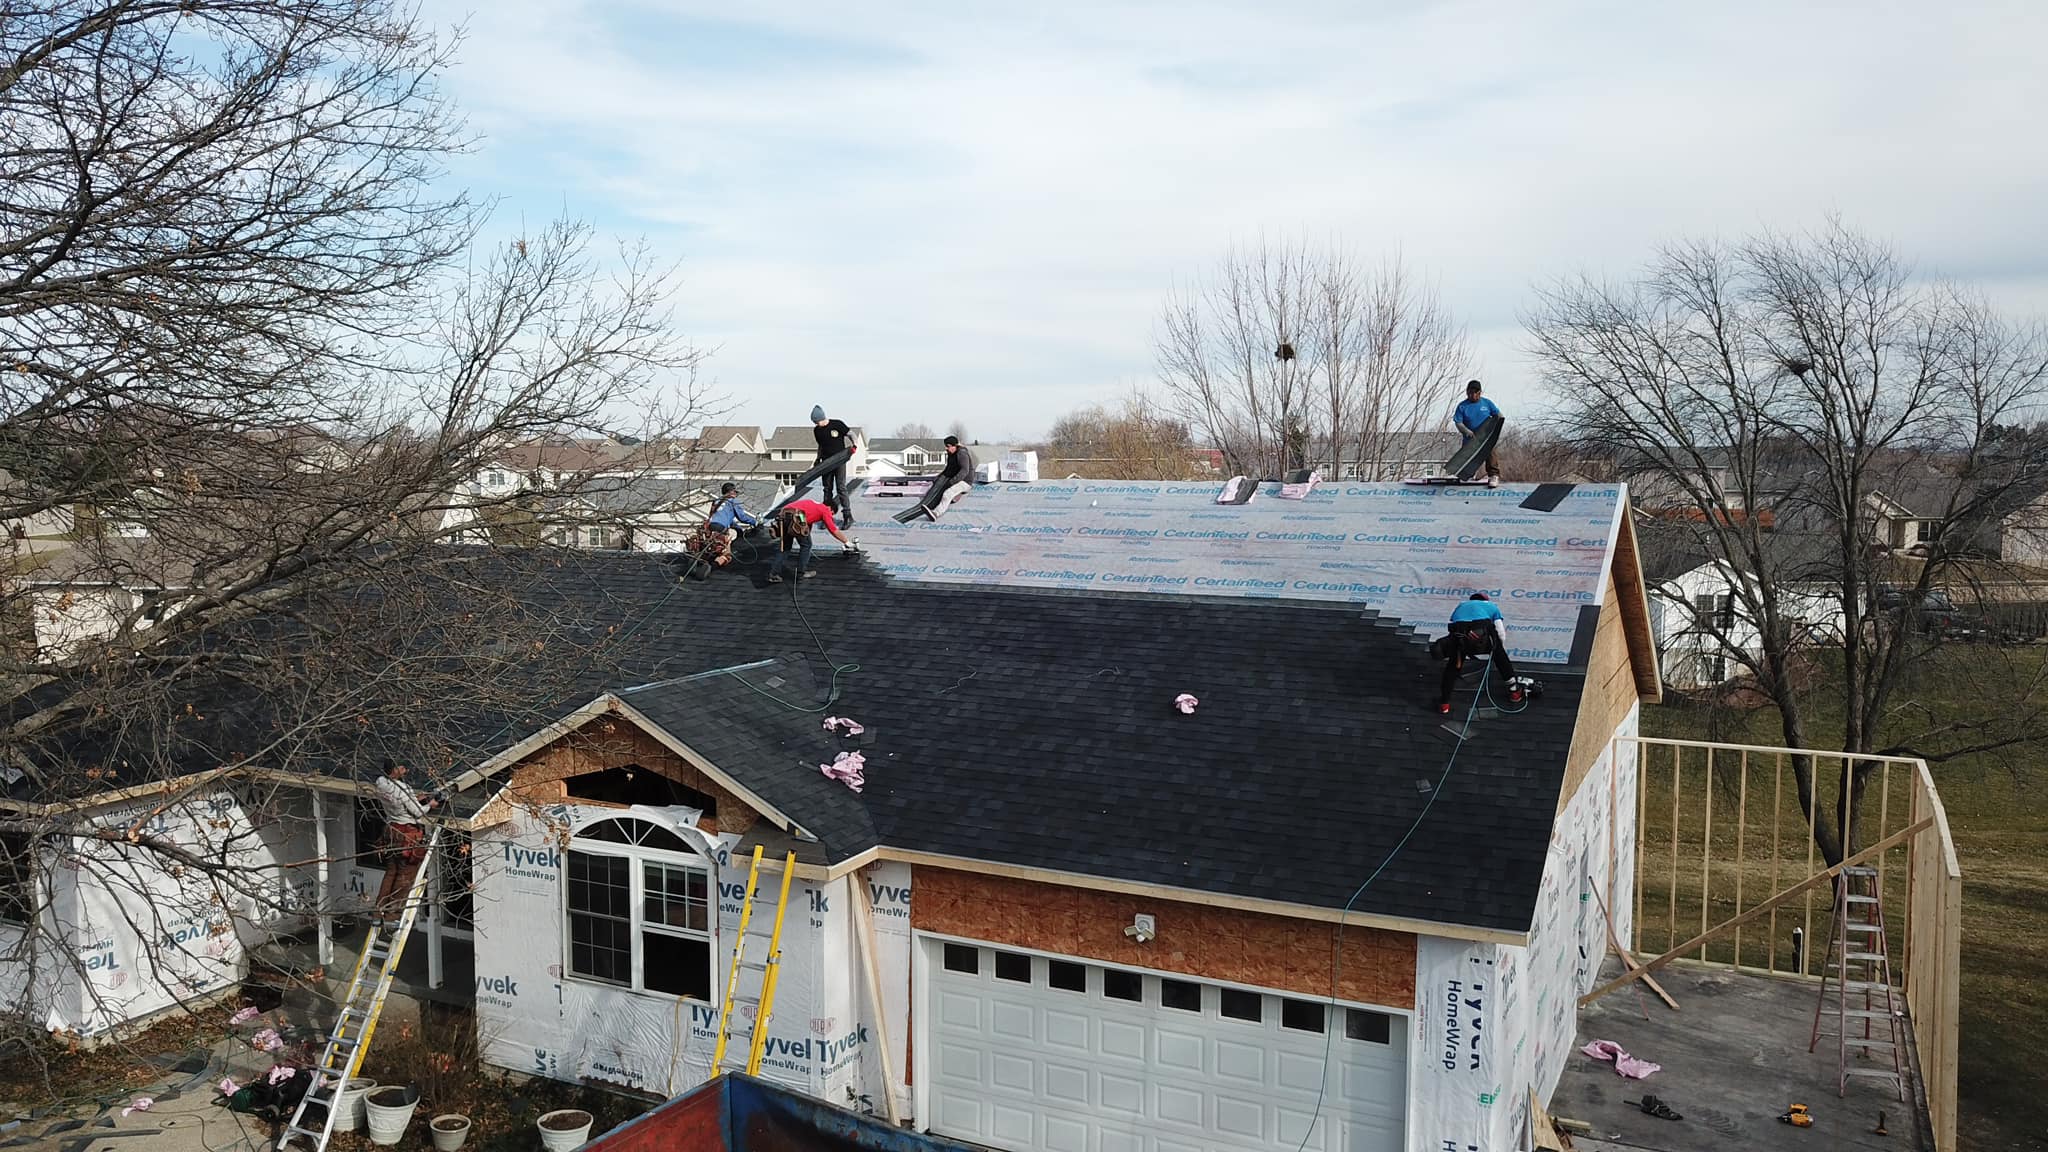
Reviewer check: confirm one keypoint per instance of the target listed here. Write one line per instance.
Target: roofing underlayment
(1411, 551)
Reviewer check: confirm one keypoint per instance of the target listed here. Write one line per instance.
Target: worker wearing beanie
(834, 437)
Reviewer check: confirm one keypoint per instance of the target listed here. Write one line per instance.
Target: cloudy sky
(939, 211)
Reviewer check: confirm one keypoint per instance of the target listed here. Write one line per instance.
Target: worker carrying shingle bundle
(949, 485)
(834, 437)
(1476, 627)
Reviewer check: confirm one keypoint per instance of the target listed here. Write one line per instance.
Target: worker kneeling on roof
(958, 473)
(713, 539)
(1476, 628)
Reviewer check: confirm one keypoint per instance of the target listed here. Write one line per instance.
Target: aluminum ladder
(770, 968)
(349, 1042)
(1859, 966)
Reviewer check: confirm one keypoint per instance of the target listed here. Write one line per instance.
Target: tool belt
(1473, 638)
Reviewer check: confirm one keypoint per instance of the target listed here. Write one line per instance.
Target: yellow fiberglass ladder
(769, 968)
(349, 1042)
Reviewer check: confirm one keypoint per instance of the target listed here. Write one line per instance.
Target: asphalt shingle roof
(1036, 727)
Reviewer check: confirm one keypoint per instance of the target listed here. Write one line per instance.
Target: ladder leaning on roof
(769, 968)
(349, 1042)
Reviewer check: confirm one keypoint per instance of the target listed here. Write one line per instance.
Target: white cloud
(922, 211)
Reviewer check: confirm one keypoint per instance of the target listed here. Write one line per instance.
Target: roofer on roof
(958, 473)
(834, 437)
(712, 540)
(793, 527)
(1476, 626)
(1471, 415)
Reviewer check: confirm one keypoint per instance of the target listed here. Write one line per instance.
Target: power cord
(838, 669)
(1337, 941)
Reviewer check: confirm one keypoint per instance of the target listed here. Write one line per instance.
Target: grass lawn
(2000, 823)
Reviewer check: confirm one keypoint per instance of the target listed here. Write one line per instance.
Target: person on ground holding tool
(834, 437)
(958, 472)
(1475, 631)
(1472, 415)
(794, 528)
(405, 843)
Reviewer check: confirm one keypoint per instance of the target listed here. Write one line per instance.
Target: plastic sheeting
(144, 935)
(530, 1018)
(1406, 550)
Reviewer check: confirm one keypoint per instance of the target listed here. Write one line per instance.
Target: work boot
(774, 579)
(1493, 481)
(806, 574)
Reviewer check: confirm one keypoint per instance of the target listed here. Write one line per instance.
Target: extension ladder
(1859, 965)
(349, 1042)
(769, 968)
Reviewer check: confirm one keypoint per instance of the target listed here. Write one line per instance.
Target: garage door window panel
(1152, 1062)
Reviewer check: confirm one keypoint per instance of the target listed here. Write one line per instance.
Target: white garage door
(1029, 1053)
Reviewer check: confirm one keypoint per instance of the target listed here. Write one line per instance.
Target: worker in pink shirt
(793, 526)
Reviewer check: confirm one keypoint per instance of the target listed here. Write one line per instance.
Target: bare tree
(1290, 356)
(1769, 399)
(251, 371)
(1133, 441)
(957, 429)
(913, 431)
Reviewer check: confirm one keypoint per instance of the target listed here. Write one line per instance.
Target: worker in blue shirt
(1469, 418)
(1477, 629)
(729, 509)
(712, 541)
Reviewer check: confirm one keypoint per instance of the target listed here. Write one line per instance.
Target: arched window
(642, 912)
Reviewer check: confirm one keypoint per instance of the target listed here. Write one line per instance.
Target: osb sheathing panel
(1634, 598)
(1610, 693)
(606, 742)
(1218, 943)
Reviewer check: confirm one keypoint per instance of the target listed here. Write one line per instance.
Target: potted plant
(351, 1116)
(449, 1130)
(390, 1109)
(564, 1129)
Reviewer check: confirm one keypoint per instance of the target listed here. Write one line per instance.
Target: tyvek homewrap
(531, 1017)
(1458, 1083)
(146, 933)
(1408, 551)
(1496, 1022)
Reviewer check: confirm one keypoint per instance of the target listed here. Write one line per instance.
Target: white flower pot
(351, 1104)
(449, 1131)
(567, 1132)
(389, 1109)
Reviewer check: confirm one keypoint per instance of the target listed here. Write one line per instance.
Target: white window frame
(637, 858)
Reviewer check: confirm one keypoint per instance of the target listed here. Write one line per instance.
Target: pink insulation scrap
(227, 1086)
(278, 1074)
(848, 767)
(266, 1041)
(1624, 1064)
(139, 1104)
(1185, 703)
(247, 1014)
(844, 725)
